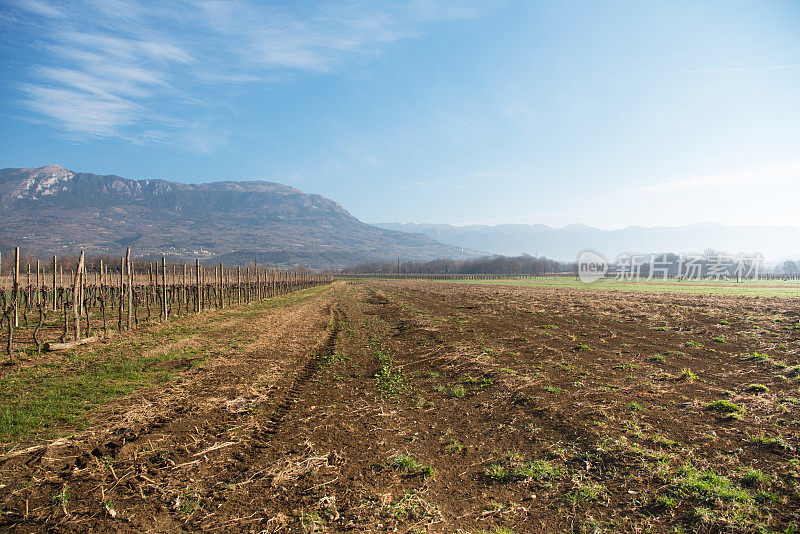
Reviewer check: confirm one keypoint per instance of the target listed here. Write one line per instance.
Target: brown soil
(306, 430)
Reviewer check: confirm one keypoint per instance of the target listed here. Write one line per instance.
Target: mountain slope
(566, 243)
(53, 210)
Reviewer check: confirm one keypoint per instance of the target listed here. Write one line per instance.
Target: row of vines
(52, 307)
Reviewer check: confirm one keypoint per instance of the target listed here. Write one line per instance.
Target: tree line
(524, 264)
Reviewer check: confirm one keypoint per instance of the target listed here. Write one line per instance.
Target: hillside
(53, 210)
(565, 243)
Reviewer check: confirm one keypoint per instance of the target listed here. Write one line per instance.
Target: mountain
(565, 243)
(51, 210)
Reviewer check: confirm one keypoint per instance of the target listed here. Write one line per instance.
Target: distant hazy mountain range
(565, 243)
(51, 210)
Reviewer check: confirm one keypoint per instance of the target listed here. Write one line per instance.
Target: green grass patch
(390, 380)
(707, 485)
(409, 464)
(757, 357)
(457, 391)
(513, 466)
(724, 406)
(42, 398)
(687, 375)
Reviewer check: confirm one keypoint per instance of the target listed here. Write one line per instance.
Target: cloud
(122, 68)
(79, 112)
(42, 8)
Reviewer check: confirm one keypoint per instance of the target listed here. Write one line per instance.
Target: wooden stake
(197, 283)
(121, 291)
(184, 293)
(76, 297)
(128, 265)
(222, 286)
(16, 287)
(164, 287)
(54, 281)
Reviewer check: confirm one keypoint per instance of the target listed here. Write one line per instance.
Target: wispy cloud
(116, 67)
(40, 7)
(80, 111)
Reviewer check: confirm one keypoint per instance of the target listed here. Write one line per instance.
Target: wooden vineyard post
(238, 285)
(38, 284)
(162, 291)
(15, 296)
(54, 281)
(76, 293)
(28, 290)
(164, 308)
(203, 293)
(129, 298)
(221, 286)
(81, 284)
(197, 283)
(149, 283)
(185, 293)
(121, 292)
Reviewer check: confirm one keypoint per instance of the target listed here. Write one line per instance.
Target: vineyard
(60, 306)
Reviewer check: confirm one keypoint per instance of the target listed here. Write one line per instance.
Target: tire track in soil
(304, 376)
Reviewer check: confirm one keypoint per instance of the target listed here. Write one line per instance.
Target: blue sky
(604, 113)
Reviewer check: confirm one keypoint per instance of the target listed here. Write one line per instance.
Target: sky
(611, 114)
